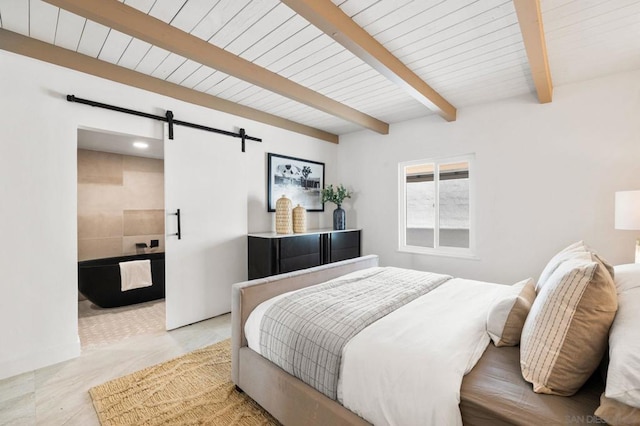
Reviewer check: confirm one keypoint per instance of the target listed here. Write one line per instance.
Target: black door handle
(179, 233)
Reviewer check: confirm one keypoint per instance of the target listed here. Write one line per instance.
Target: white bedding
(407, 367)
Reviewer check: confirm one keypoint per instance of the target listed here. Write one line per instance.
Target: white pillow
(623, 375)
(508, 313)
(627, 277)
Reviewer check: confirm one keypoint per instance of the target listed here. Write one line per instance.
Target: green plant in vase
(337, 195)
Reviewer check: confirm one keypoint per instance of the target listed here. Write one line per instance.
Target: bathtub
(99, 281)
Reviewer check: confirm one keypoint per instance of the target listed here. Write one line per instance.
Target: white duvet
(406, 368)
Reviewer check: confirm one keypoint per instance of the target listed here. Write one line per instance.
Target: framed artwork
(300, 180)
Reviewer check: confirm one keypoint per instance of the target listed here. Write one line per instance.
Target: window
(437, 206)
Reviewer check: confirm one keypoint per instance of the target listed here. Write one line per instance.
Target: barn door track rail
(167, 118)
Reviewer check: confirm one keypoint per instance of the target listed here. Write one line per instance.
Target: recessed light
(141, 145)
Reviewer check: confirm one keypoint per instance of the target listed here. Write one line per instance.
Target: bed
(492, 392)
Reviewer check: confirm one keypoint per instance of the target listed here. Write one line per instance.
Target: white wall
(293, 145)
(546, 176)
(38, 142)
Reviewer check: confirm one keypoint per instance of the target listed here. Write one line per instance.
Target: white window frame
(437, 250)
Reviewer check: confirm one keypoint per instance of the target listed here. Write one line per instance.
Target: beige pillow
(566, 332)
(577, 250)
(609, 267)
(616, 413)
(509, 311)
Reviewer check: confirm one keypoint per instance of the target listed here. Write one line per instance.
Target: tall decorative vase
(299, 219)
(339, 219)
(284, 216)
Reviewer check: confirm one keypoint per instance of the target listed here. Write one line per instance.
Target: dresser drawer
(299, 245)
(343, 240)
(299, 262)
(344, 245)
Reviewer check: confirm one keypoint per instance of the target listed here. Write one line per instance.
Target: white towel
(135, 274)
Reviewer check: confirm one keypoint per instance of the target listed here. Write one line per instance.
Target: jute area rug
(194, 389)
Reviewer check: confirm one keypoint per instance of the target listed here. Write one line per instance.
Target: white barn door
(206, 178)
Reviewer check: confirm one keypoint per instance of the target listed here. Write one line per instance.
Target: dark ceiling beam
(22, 45)
(126, 19)
(530, 20)
(330, 19)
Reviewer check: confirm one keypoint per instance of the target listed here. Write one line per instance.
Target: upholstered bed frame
(494, 393)
(288, 399)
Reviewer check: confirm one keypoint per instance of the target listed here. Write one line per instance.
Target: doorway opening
(121, 236)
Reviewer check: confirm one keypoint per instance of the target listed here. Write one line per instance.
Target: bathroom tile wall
(120, 203)
(143, 222)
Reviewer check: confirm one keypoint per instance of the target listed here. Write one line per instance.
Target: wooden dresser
(270, 253)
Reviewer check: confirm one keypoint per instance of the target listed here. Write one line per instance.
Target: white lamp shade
(628, 210)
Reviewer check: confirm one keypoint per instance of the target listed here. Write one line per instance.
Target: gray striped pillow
(566, 331)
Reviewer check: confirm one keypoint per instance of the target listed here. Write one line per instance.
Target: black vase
(339, 219)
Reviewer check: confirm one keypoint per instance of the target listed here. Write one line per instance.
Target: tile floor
(99, 326)
(58, 394)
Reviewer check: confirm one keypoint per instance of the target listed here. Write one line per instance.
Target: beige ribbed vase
(284, 216)
(299, 219)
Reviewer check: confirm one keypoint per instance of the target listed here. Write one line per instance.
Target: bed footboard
(249, 294)
(287, 398)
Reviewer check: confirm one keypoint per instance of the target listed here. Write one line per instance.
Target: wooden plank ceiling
(469, 51)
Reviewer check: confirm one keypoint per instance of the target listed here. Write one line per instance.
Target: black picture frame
(300, 180)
